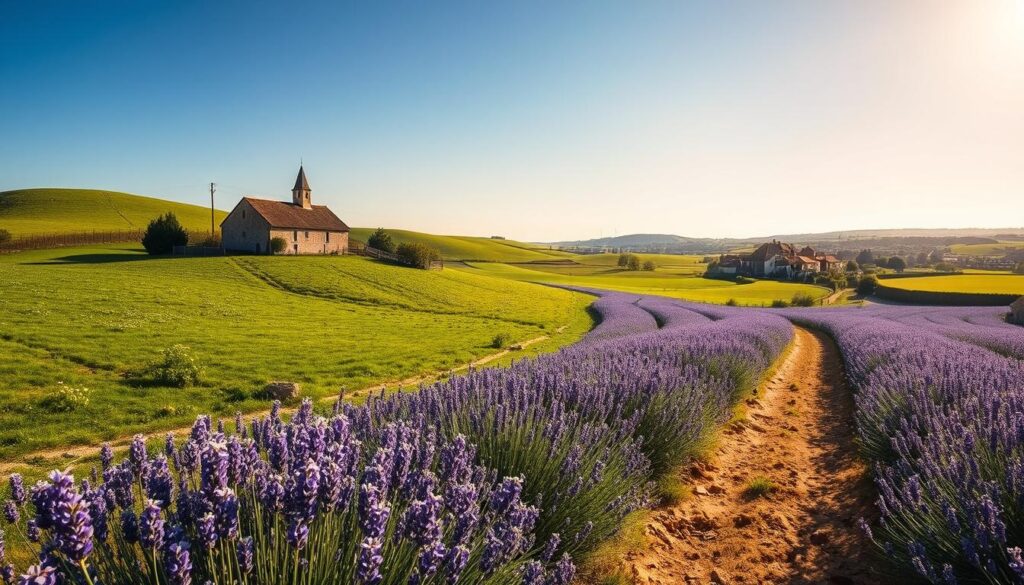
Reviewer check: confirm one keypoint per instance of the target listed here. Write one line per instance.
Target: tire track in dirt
(798, 433)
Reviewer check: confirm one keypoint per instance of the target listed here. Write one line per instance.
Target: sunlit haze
(538, 121)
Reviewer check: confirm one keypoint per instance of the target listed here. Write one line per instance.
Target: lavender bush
(942, 417)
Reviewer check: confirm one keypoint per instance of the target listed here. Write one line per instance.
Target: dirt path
(798, 433)
(66, 456)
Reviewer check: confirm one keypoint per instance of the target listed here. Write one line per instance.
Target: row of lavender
(498, 476)
(940, 412)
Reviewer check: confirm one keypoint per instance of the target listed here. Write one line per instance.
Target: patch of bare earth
(798, 434)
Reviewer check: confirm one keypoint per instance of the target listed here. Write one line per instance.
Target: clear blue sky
(535, 120)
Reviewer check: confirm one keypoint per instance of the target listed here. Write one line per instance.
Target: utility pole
(212, 190)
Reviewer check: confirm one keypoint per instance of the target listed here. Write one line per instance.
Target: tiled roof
(288, 215)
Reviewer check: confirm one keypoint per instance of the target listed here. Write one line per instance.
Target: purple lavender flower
(11, 513)
(129, 526)
(39, 575)
(370, 561)
(106, 455)
(244, 553)
(207, 529)
(17, 485)
(160, 485)
(298, 534)
(178, 563)
(151, 526)
(373, 512)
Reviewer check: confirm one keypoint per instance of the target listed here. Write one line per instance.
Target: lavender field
(512, 475)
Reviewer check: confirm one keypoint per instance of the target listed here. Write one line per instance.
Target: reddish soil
(798, 432)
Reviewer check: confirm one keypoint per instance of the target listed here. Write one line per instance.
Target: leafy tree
(867, 286)
(649, 266)
(381, 240)
(852, 266)
(922, 259)
(865, 257)
(1019, 269)
(897, 264)
(624, 260)
(634, 262)
(935, 257)
(278, 245)
(417, 254)
(163, 234)
(945, 267)
(5, 236)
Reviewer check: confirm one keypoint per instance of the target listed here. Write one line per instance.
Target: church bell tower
(301, 191)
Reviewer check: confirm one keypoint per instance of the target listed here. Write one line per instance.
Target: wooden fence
(365, 250)
(65, 239)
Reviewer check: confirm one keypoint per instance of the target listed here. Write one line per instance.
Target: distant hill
(886, 239)
(45, 211)
(470, 248)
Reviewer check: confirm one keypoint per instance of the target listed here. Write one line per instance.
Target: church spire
(301, 191)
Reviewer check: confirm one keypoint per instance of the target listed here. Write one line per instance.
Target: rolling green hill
(96, 317)
(44, 211)
(470, 248)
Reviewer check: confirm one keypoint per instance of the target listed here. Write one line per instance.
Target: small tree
(897, 264)
(5, 236)
(417, 254)
(649, 266)
(381, 240)
(163, 234)
(865, 257)
(935, 257)
(1019, 269)
(922, 259)
(624, 260)
(634, 262)
(867, 286)
(852, 266)
(278, 245)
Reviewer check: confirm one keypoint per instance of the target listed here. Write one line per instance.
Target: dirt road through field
(798, 435)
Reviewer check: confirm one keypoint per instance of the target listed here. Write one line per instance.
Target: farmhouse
(305, 228)
(778, 259)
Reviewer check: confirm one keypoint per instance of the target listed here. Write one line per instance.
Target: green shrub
(760, 486)
(802, 300)
(417, 254)
(178, 368)
(649, 266)
(66, 398)
(278, 245)
(867, 285)
(381, 240)
(731, 302)
(163, 234)
(501, 340)
(745, 280)
(779, 304)
(210, 241)
(5, 236)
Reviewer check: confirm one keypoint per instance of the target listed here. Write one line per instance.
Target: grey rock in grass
(282, 390)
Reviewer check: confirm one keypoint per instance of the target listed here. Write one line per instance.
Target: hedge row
(922, 297)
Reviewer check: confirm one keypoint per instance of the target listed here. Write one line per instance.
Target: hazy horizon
(538, 122)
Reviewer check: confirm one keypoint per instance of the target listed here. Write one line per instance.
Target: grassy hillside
(962, 283)
(998, 249)
(684, 286)
(470, 248)
(43, 211)
(97, 317)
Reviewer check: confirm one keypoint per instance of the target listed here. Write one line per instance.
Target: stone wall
(312, 242)
(244, 230)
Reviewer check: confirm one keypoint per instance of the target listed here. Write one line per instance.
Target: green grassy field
(470, 248)
(96, 317)
(689, 287)
(963, 283)
(1000, 249)
(44, 211)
